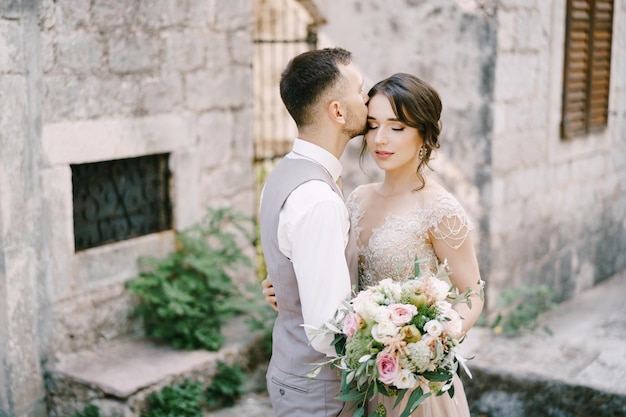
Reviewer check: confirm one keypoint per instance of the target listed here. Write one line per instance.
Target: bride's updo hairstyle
(416, 104)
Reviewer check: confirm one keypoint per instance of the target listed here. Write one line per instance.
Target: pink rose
(351, 324)
(401, 314)
(387, 367)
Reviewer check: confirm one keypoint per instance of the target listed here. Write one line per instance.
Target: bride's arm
(465, 274)
(269, 293)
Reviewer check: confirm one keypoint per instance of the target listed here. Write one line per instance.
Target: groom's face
(355, 99)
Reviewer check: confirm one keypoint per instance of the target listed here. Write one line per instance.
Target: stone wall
(558, 207)
(88, 81)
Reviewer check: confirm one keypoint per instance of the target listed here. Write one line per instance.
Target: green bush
(227, 386)
(186, 297)
(178, 400)
(90, 410)
(521, 309)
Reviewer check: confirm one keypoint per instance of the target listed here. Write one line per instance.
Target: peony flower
(387, 367)
(433, 328)
(405, 379)
(439, 289)
(401, 314)
(364, 305)
(382, 331)
(351, 323)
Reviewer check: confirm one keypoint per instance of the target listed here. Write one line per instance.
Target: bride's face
(392, 144)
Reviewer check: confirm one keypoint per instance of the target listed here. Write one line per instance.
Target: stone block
(243, 138)
(107, 139)
(205, 90)
(79, 52)
(112, 95)
(230, 15)
(47, 51)
(11, 53)
(185, 51)
(515, 76)
(72, 14)
(216, 138)
(161, 94)
(56, 184)
(241, 47)
(158, 14)
(185, 168)
(131, 52)
(64, 98)
(107, 14)
(217, 55)
(121, 374)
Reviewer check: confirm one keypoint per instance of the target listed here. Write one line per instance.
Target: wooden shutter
(589, 27)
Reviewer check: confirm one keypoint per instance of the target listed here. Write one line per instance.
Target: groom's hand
(269, 293)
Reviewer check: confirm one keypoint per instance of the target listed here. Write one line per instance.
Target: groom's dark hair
(307, 77)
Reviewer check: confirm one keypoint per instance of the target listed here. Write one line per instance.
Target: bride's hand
(269, 293)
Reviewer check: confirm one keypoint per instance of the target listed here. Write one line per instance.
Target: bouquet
(396, 338)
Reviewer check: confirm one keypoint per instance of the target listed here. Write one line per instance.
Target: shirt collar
(320, 155)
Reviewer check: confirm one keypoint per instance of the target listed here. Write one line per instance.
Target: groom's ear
(335, 112)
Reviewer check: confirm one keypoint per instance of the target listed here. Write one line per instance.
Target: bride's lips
(383, 154)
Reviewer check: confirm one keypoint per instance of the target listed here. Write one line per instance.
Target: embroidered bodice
(392, 231)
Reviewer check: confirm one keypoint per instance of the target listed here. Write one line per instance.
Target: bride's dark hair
(415, 103)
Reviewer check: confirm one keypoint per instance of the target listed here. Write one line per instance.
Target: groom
(305, 228)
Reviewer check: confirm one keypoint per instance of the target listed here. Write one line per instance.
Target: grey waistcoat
(291, 351)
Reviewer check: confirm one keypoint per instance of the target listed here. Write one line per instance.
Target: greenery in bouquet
(398, 339)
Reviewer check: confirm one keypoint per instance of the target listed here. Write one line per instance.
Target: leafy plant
(178, 400)
(521, 309)
(90, 410)
(186, 297)
(227, 386)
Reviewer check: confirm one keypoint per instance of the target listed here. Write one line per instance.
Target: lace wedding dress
(390, 232)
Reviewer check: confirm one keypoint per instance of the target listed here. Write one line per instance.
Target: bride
(409, 214)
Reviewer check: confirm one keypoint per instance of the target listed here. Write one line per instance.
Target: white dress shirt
(313, 231)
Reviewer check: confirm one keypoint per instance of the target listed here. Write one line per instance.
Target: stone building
(84, 82)
(110, 85)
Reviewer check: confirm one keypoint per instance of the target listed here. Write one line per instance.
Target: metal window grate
(121, 199)
(586, 78)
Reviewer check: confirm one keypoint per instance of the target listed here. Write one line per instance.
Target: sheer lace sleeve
(448, 221)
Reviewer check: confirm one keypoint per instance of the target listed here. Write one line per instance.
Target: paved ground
(587, 348)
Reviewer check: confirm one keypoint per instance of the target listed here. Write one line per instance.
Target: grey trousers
(295, 396)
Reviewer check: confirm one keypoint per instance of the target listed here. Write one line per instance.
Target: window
(589, 27)
(121, 199)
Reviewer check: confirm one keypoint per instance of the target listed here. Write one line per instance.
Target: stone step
(118, 376)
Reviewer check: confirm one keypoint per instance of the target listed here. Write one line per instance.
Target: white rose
(405, 379)
(382, 331)
(382, 315)
(433, 328)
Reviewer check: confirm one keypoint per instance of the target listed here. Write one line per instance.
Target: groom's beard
(354, 128)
